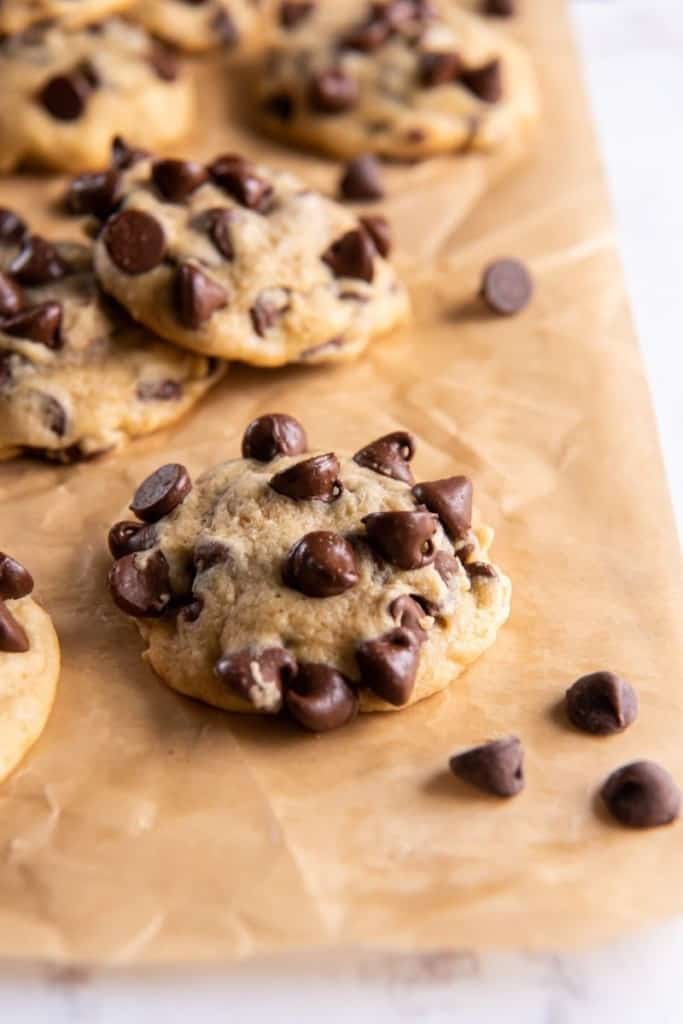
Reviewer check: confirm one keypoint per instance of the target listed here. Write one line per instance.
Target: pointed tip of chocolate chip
(197, 296)
(496, 767)
(601, 703)
(362, 179)
(451, 500)
(97, 193)
(13, 637)
(378, 230)
(389, 664)
(486, 82)
(642, 795)
(39, 323)
(389, 455)
(352, 256)
(15, 580)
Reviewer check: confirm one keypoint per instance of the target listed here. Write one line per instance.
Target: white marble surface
(634, 68)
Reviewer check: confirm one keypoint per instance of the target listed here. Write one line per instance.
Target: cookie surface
(77, 376)
(200, 26)
(403, 79)
(17, 15)
(244, 262)
(309, 580)
(67, 94)
(29, 665)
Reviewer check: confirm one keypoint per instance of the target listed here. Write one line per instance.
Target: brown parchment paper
(144, 827)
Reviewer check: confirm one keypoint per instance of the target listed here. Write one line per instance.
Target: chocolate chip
(352, 255)
(368, 35)
(140, 584)
(280, 105)
(406, 612)
(389, 455)
(506, 287)
(39, 323)
(12, 298)
(485, 82)
(601, 703)
(161, 492)
(268, 308)
(218, 222)
(37, 262)
(209, 552)
(127, 537)
(239, 179)
(135, 241)
(439, 69)
(499, 8)
(12, 227)
(65, 96)
(178, 179)
(224, 28)
(97, 193)
(388, 665)
(124, 156)
(191, 611)
(259, 677)
(54, 415)
(163, 61)
(451, 500)
(480, 570)
(332, 92)
(320, 698)
(15, 580)
(317, 477)
(321, 564)
(642, 795)
(271, 435)
(159, 390)
(197, 297)
(379, 230)
(13, 639)
(292, 13)
(403, 538)
(496, 767)
(446, 566)
(361, 179)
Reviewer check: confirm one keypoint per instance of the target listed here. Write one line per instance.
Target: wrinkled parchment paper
(144, 827)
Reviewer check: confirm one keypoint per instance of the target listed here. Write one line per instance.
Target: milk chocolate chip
(292, 13)
(239, 179)
(140, 584)
(388, 665)
(506, 287)
(65, 96)
(38, 262)
(97, 193)
(15, 580)
(379, 231)
(451, 500)
(127, 537)
(601, 703)
(320, 698)
(321, 564)
(12, 298)
(135, 241)
(13, 638)
(439, 69)
(317, 477)
(219, 222)
(642, 795)
(362, 179)
(403, 538)
(485, 82)
(352, 255)
(161, 492)
(259, 677)
(37, 323)
(446, 565)
(12, 227)
(197, 297)
(271, 435)
(332, 92)
(406, 612)
(389, 455)
(496, 767)
(178, 179)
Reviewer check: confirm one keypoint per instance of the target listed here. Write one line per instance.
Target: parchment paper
(147, 828)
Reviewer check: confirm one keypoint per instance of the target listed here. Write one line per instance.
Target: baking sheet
(145, 828)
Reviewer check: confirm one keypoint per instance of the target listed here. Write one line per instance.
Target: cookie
(17, 15)
(306, 580)
(67, 94)
(199, 25)
(403, 79)
(29, 665)
(243, 262)
(77, 376)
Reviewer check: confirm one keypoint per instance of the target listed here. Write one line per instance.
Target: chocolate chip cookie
(243, 262)
(77, 376)
(29, 664)
(17, 15)
(403, 79)
(198, 25)
(307, 581)
(65, 95)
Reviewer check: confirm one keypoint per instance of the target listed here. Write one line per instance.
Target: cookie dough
(29, 665)
(403, 79)
(77, 376)
(65, 95)
(308, 581)
(17, 15)
(243, 262)
(198, 26)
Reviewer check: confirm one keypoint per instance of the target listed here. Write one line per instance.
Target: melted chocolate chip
(12, 227)
(178, 179)
(379, 231)
(39, 323)
(259, 677)
(317, 477)
(352, 255)
(362, 179)
(642, 795)
(321, 564)
(197, 297)
(239, 179)
(496, 767)
(164, 61)
(266, 311)
(320, 698)
(601, 703)
(159, 390)
(388, 665)
(446, 566)
(280, 105)
(451, 500)
(12, 298)
(291, 13)
(161, 492)
(97, 193)
(135, 241)
(209, 552)
(15, 580)
(506, 287)
(368, 36)
(140, 584)
(13, 638)
(127, 537)
(38, 262)
(389, 455)
(439, 69)
(408, 613)
(271, 435)
(65, 96)
(332, 92)
(403, 538)
(480, 570)
(485, 82)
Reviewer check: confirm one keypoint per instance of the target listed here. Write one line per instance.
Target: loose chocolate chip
(379, 230)
(389, 455)
(499, 8)
(95, 193)
(239, 179)
(601, 703)
(128, 537)
(321, 564)
(65, 96)
(403, 538)
(39, 323)
(332, 92)
(140, 584)
(320, 698)
(163, 61)
(292, 13)
(38, 262)
(317, 477)
(12, 227)
(642, 795)
(13, 639)
(271, 435)
(259, 677)
(451, 500)
(439, 69)
(197, 297)
(506, 287)
(161, 492)
(280, 105)
(361, 179)
(15, 580)
(54, 415)
(178, 179)
(159, 390)
(446, 566)
(352, 255)
(124, 156)
(12, 298)
(224, 28)
(209, 552)
(218, 222)
(496, 767)
(485, 82)
(135, 241)
(388, 665)
(406, 612)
